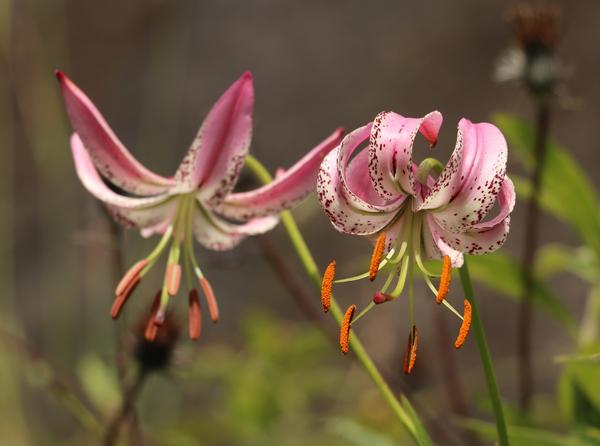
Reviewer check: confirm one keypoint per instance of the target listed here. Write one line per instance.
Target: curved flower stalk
(197, 202)
(370, 186)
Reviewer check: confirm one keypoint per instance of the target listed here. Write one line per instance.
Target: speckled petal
(390, 153)
(454, 173)
(91, 180)
(110, 157)
(148, 220)
(343, 215)
(216, 156)
(214, 233)
(287, 190)
(474, 241)
(483, 169)
(433, 233)
(506, 203)
(354, 175)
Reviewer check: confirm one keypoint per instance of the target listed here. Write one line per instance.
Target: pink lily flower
(415, 211)
(197, 202)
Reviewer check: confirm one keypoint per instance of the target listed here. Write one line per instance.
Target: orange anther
(376, 257)
(173, 278)
(151, 327)
(463, 332)
(194, 315)
(345, 329)
(122, 298)
(213, 308)
(326, 285)
(411, 350)
(131, 276)
(444, 280)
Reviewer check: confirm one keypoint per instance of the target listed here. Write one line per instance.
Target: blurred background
(268, 373)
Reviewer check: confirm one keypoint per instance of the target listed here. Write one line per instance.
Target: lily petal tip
(247, 76)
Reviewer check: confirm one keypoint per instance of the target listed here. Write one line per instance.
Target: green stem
(484, 353)
(313, 272)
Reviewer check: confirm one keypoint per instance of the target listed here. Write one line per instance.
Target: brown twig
(117, 271)
(126, 411)
(62, 390)
(525, 322)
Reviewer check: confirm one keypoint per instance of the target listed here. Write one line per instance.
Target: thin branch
(525, 322)
(126, 411)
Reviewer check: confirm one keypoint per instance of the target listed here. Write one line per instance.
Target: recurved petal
(454, 173)
(390, 153)
(355, 178)
(149, 220)
(214, 233)
(436, 243)
(506, 204)
(483, 169)
(343, 215)
(91, 180)
(216, 156)
(473, 241)
(287, 190)
(108, 153)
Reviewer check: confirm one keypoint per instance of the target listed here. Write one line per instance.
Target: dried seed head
(444, 287)
(463, 332)
(411, 350)
(536, 27)
(326, 286)
(345, 329)
(156, 354)
(376, 257)
(537, 32)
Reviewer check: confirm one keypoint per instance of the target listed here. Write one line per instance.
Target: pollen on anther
(463, 332)
(444, 287)
(345, 329)
(131, 276)
(211, 300)
(326, 286)
(194, 315)
(411, 350)
(376, 257)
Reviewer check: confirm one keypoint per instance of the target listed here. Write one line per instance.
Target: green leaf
(524, 436)
(504, 274)
(567, 192)
(555, 258)
(99, 383)
(421, 434)
(358, 434)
